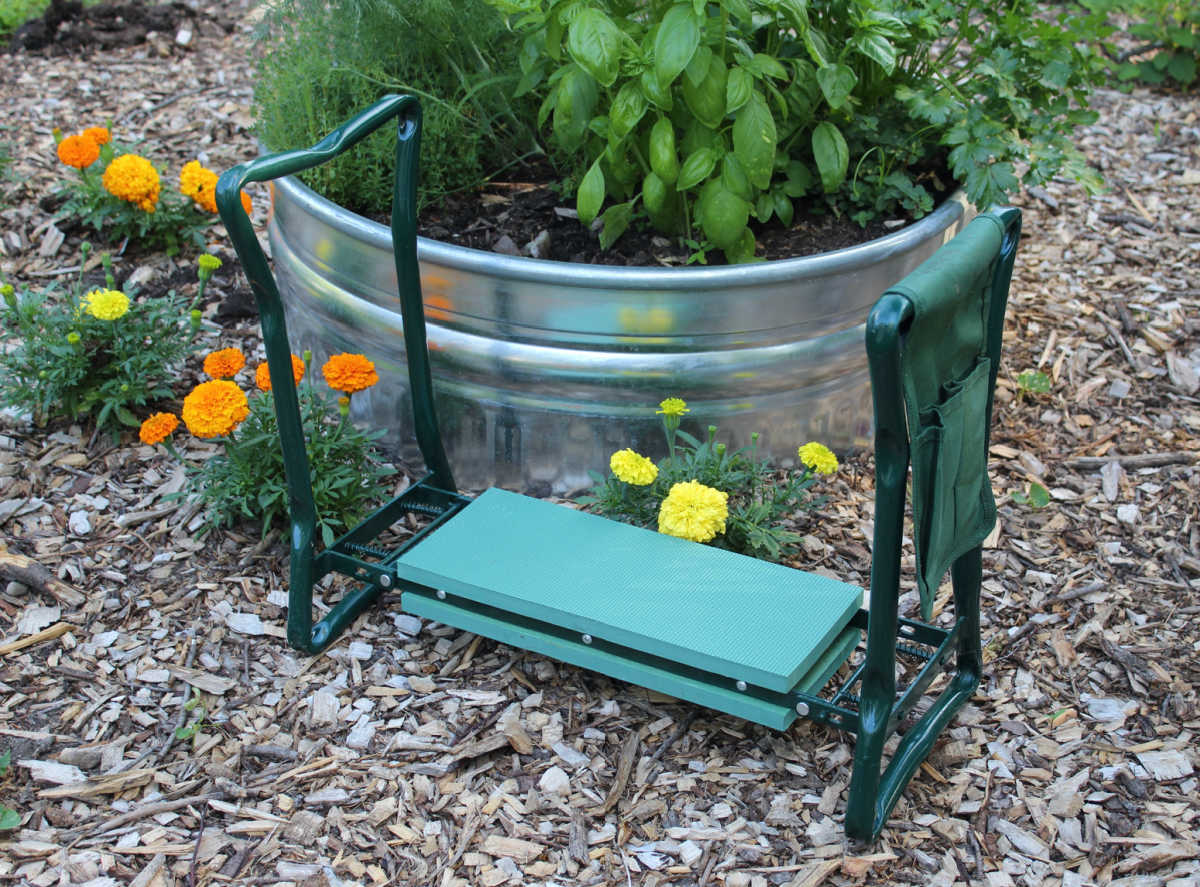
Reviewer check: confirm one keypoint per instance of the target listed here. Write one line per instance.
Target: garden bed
(412, 749)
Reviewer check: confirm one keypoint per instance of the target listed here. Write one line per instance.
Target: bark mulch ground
(415, 754)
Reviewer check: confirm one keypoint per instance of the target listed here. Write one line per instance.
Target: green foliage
(1033, 382)
(14, 13)
(193, 729)
(1168, 40)
(320, 63)
(1037, 497)
(69, 363)
(246, 481)
(9, 818)
(711, 114)
(175, 222)
(760, 497)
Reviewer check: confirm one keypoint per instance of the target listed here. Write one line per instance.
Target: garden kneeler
(750, 638)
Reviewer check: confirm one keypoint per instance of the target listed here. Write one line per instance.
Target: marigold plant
(127, 200)
(349, 373)
(158, 428)
(818, 457)
(246, 479)
(693, 511)
(98, 134)
(79, 151)
(215, 408)
(106, 304)
(224, 364)
(705, 492)
(633, 468)
(200, 184)
(96, 352)
(262, 374)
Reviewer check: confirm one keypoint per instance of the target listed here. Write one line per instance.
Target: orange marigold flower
(100, 134)
(349, 373)
(158, 428)
(246, 204)
(134, 179)
(215, 408)
(200, 184)
(262, 375)
(79, 151)
(224, 364)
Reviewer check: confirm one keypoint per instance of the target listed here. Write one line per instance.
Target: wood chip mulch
(416, 754)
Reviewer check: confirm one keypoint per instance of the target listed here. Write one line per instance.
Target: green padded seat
(633, 592)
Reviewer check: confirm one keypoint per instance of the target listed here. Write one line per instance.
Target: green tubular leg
(302, 634)
(874, 791)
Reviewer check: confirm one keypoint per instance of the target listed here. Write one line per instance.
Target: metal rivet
(802, 709)
(741, 685)
(385, 580)
(587, 638)
(441, 595)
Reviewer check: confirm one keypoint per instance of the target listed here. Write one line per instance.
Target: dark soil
(510, 217)
(68, 27)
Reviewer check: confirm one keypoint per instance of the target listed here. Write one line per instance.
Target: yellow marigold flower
(158, 428)
(224, 364)
(208, 262)
(693, 511)
(106, 304)
(73, 337)
(215, 408)
(133, 179)
(633, 468)
(349, 373)
(99, 134)
(79, 151)
(262, 375)
(672, 406)
(818, 457)
(200, 184)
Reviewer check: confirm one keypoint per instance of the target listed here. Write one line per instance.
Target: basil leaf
(698, 167)
(877, 47)
(590, 196)
(836, 82)
(737, 89)
(675, 43)
(616, 219)
(627, 109)
(594, 42)
(831, 154)
(754, 139)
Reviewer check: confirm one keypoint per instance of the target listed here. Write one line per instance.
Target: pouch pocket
(953, 509)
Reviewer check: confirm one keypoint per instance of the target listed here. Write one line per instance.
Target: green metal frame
(435, 494)
(867, 701)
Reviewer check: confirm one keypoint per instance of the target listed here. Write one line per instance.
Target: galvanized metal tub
(543, 369)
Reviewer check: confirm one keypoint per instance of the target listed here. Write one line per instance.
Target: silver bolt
(441, 595)
(802, 709)
(385, 580)
(741, 685)
(587, 638)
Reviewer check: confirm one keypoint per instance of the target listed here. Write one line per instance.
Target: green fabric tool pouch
(953, 508)
(946, 379)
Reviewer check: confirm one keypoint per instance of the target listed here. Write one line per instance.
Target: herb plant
(246, 480)
(322, 62)
(707, 493)
(707, 115)
(120, 195)
(96, 353)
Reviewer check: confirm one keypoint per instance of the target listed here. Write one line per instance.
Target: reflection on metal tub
(542, 369)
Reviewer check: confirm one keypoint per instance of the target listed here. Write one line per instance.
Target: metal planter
(542, 369)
